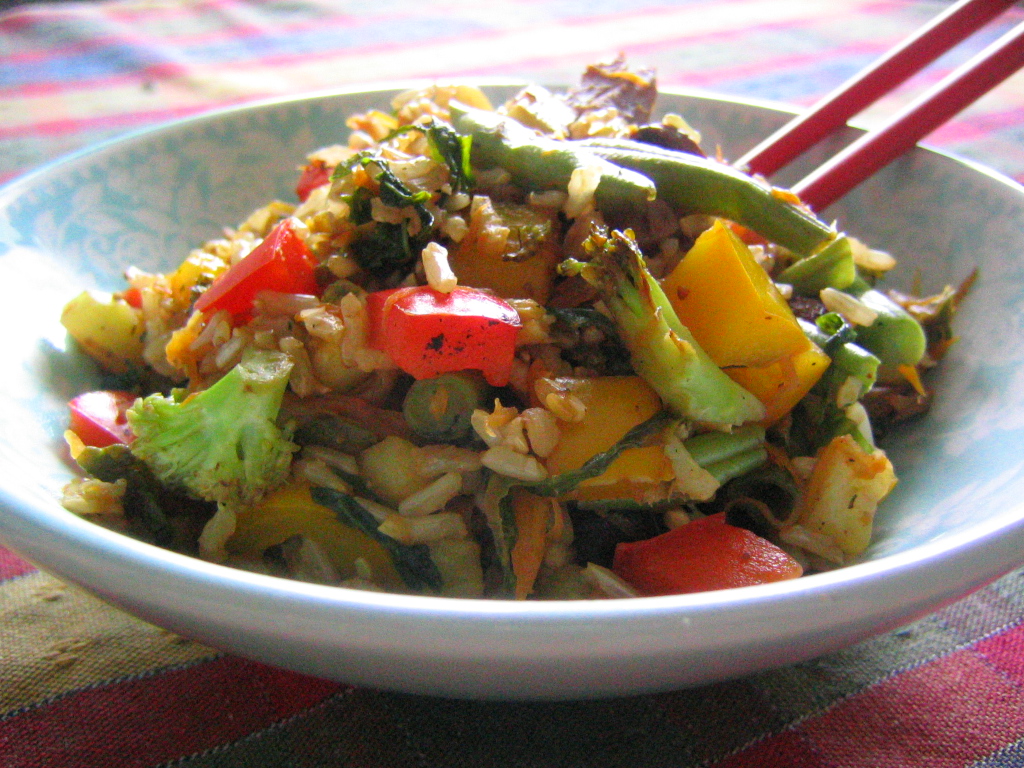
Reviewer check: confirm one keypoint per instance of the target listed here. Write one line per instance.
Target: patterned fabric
(82, 684)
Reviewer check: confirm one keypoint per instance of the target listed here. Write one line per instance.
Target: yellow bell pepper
(729, 303)
(614, 405)
(782, 384)
(291, 511)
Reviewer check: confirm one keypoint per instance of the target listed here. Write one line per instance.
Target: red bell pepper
(702, 555)
(427, 333)
(282, 262)
(314, 175)
(98, 418)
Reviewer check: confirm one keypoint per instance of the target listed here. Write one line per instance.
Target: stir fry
(548, 349)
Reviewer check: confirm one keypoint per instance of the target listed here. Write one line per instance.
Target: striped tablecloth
(84, 685)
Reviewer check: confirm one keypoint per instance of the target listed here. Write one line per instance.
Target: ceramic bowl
(954, 523)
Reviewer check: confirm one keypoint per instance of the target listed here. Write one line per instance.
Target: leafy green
(449, 147)
(147, 502)
(412, 561)
(497, 505)
(383, 247)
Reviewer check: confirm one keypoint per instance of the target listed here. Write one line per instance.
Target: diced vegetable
(662, 349)
(831, 267)
(700, 556)
(510, 249)
(614, 405)
(458, 562)
(729, 303)
(98, 418)
(843, 492)
(389, 469)
(282, 263)
(439, 409)
(895, 336)
(782, 384)
(291, 511)
(107, 328)
(427, 333)
(314, 174)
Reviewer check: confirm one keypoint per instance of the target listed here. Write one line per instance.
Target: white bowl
(954, 523)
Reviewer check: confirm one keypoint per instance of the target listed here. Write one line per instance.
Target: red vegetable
(703, 555)
(314, 175)
(282, 262)
(427, 333)
(133, 297)
(98, 418)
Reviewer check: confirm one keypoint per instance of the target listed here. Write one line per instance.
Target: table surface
(82, 684)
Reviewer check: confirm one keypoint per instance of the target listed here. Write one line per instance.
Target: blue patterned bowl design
(954, 523)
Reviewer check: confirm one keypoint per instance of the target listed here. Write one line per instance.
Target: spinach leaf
(449, 147)
(412, 561)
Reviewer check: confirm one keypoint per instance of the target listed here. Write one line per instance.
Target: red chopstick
(946, 98)
(913, 54)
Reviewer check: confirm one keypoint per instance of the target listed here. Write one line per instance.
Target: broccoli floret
(662, 349)
(221, 444)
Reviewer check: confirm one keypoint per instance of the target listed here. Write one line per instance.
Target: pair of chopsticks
(878, 148)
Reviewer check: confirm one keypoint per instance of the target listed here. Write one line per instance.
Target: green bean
(712, 447)
(694, 184)
(848, 358)
(536, 162)
(738, 465)
(831, 267)
(439, 408)
(895, 336)
(337, 432)
(726, 455)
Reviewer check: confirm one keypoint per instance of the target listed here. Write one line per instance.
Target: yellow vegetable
(458, 561)
(841, 496)
(108, 329)
(614, 405)
(291, 511)
(389, 468)
(729, 303)
(511, 249)
(200, 268)
(782, 384)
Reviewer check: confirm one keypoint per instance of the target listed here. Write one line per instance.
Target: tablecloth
(83, 684)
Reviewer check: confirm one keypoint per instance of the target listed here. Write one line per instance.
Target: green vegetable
(848, 359)
(831, 267)
(381, 247)
(662, 349)
(412, 561)
(108, 329)
(221, 444)
(496, 503)
(726, 455)
(820, 417)
(147, 503)
(694, 184)
(536, 162)
(438, 409)
(448, 147)
(895, 336)
(332, 431)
